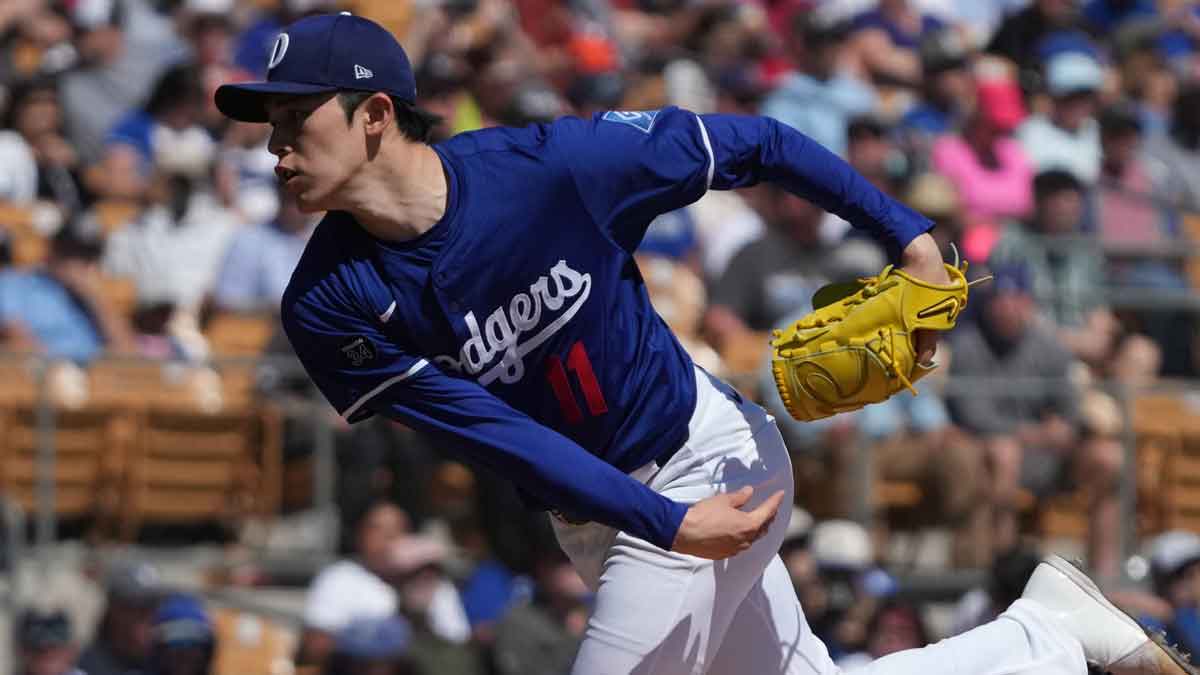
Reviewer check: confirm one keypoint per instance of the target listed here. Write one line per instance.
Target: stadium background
(164, 462)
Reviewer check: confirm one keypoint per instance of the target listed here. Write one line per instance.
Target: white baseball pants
(662, 613)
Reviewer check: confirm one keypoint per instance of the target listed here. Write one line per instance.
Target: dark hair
(21, 93)
(179, 84)
(1052, 182)
(1119, 120)
(416, 124)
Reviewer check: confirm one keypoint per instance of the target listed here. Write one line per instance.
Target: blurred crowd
(1055, 144)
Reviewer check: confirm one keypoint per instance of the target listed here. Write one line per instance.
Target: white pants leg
(663, 613)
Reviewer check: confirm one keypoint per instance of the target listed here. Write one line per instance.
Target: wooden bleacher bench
(240, 334)
(250, 644)
(90, 447)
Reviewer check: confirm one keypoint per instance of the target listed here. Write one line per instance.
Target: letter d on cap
(277, 52)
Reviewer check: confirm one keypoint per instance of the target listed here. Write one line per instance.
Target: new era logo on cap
(323, 54)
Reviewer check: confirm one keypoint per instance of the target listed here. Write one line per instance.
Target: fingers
(765, 513)
(926, 345)
(738, 499)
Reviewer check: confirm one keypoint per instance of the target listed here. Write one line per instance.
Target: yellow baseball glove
(856, 347)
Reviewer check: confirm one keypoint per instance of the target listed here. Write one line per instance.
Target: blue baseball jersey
(517, 330)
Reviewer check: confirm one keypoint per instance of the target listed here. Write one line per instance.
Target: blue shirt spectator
(260, 260)
(817, 99)
(57, 309)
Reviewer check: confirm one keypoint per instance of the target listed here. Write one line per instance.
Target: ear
(378, 114)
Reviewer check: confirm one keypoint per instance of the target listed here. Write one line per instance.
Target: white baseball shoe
(1112, 640)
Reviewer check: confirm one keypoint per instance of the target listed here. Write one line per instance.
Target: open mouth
(285, 174)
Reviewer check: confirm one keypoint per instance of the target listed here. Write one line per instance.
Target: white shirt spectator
(173, 262)
(346, 591)
(18, 169)
(1052, 147)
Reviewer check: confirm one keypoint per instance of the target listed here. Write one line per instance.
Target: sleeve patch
(641, 120)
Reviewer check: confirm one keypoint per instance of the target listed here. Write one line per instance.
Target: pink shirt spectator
(987, 193)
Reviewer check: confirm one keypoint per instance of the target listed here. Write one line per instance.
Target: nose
(277, 145)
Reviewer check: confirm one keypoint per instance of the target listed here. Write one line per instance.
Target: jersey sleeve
(628, 167)
(361, 373)
(748, 149)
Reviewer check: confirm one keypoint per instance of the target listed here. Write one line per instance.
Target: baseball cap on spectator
(842, 545)
(92, 14)
(323, 54)
(37, 630)
(999, 102)
(943, 50)
(135, 583)
(376, 639)
(799, 528)
(1071, 73)
(181, 621)
(1171, 553)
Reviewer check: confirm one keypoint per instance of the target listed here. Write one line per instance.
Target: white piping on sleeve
(416, 368)
(712, 160)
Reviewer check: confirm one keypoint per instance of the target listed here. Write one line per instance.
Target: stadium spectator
(123, 47)
(373, 646)
(1022, 34)
(1066, 267)
(821, 96)
(1175, 575)
(184, 641)
(125, 637)
(541, 637)
(872, 150)
(856, 586)
(44, 644)
(947, 88)
(1127, 201)
(990, 171)
(353, 588)
(165, 129)
(773, 277)
(174, 247)
(429, 601)
(1032, 435)
(885, 41)
(260, 259)
(35, 120)
(1175, 156)
(60, 310)
(1068, 136)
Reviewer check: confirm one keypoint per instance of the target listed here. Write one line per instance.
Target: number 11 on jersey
(578, 363)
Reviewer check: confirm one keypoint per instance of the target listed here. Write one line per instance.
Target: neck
(400, 193)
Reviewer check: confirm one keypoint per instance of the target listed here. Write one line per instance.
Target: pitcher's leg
(770, 635)
(1023, 640)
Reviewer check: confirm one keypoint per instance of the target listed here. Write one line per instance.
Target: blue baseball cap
(320, 54)
(181, 621)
